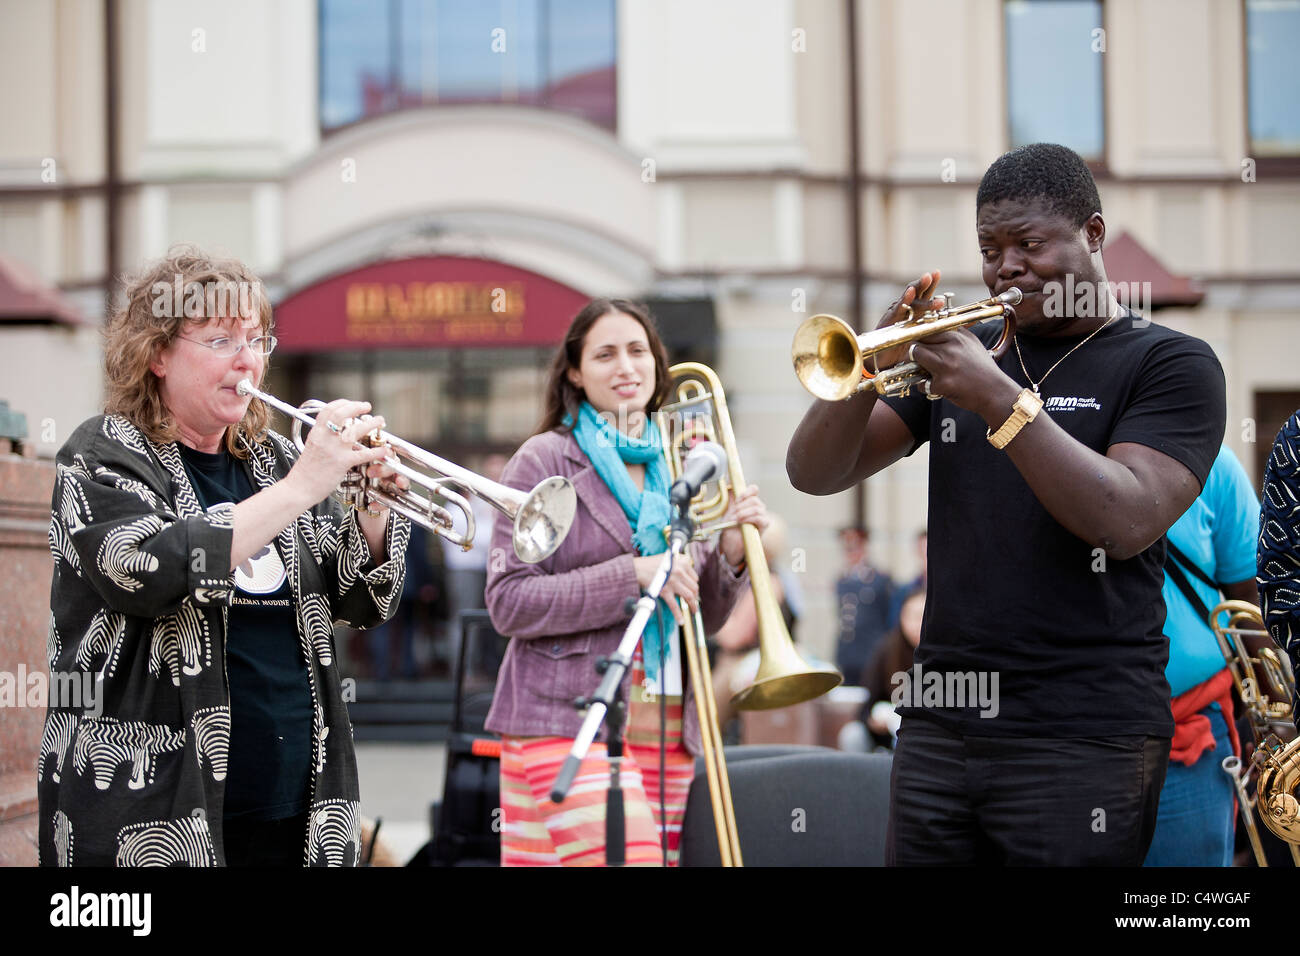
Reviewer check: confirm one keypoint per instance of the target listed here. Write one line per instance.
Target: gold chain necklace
(1029, 378)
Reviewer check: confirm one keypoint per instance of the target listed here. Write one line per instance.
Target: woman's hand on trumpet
(331, 449)
(746, 508)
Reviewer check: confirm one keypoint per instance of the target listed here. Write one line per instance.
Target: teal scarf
(648, 511)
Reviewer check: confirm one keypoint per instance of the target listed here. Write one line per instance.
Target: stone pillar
(25, 571)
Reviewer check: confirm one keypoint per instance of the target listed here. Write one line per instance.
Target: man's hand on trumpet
(962, 370)
(920, 295)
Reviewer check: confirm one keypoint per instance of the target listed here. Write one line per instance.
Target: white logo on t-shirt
(1060, 403)
(263, 573)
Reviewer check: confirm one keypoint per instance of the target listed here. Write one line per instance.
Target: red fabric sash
(1192, 733)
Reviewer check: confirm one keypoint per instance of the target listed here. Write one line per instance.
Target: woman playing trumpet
(199, 566)
(564, 613)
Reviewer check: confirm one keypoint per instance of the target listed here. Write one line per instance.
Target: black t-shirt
(1066, 641)
(268, 773)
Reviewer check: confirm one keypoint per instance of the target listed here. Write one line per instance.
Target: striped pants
(537, 832)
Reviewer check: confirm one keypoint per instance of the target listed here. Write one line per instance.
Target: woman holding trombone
(606, 378)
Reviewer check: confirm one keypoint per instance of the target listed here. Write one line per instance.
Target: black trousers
(1022, 801)
(265, 842)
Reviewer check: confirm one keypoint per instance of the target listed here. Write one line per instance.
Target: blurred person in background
(199, 566)
(878, 726)
(1213, 542)
(572, 608)
(892, 658)
(863, 594)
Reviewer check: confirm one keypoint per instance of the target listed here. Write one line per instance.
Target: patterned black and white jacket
(1278, 557)
(132, 773)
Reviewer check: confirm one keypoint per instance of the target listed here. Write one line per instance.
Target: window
(1273, 82)
(1054, 82)
(379, 57)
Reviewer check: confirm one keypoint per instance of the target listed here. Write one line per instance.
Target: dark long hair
(562, 397)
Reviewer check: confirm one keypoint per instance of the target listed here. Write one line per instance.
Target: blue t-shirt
(1218, 533)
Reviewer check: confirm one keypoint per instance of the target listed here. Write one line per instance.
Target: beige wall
(44, 373)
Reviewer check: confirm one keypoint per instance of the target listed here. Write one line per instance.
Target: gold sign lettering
(453, 311)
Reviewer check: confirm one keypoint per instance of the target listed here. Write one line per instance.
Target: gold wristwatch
(1026, 408)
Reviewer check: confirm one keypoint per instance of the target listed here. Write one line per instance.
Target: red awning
(25, 298)
(1129, 263)
(428, 302)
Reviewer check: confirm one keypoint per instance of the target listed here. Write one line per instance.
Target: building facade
(389, 167)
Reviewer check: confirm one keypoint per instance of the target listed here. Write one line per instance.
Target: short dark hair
(562, 398)
(1042, 171)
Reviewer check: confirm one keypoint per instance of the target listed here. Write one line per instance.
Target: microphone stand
(607, 705)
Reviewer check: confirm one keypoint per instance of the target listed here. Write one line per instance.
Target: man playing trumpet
(1054, 472)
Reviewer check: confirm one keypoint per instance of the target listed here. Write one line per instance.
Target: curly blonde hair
(186, 288)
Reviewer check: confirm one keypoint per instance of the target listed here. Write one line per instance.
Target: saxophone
(1279, 776)
(1266, 685)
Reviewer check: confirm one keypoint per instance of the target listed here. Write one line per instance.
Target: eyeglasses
(226, 347)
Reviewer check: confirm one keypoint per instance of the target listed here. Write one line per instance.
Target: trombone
(829, 357)
(542, 517)
(1266, 686)
(697, 411)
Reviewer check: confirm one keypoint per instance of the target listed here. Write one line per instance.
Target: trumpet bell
(827, 358)
(828, 355)
(543, 518)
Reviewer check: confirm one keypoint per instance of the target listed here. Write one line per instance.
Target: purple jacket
(566, 611)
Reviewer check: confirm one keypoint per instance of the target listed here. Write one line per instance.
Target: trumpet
(830, 358)
(699, 413)
(1266, 686)
(542, 517)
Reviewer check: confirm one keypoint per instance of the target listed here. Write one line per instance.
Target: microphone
(705, 462)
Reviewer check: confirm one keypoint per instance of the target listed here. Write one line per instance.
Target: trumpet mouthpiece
(245, 387)
(1011, 297)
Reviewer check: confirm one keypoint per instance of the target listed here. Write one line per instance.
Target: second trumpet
(542, 517)
(830, 358)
